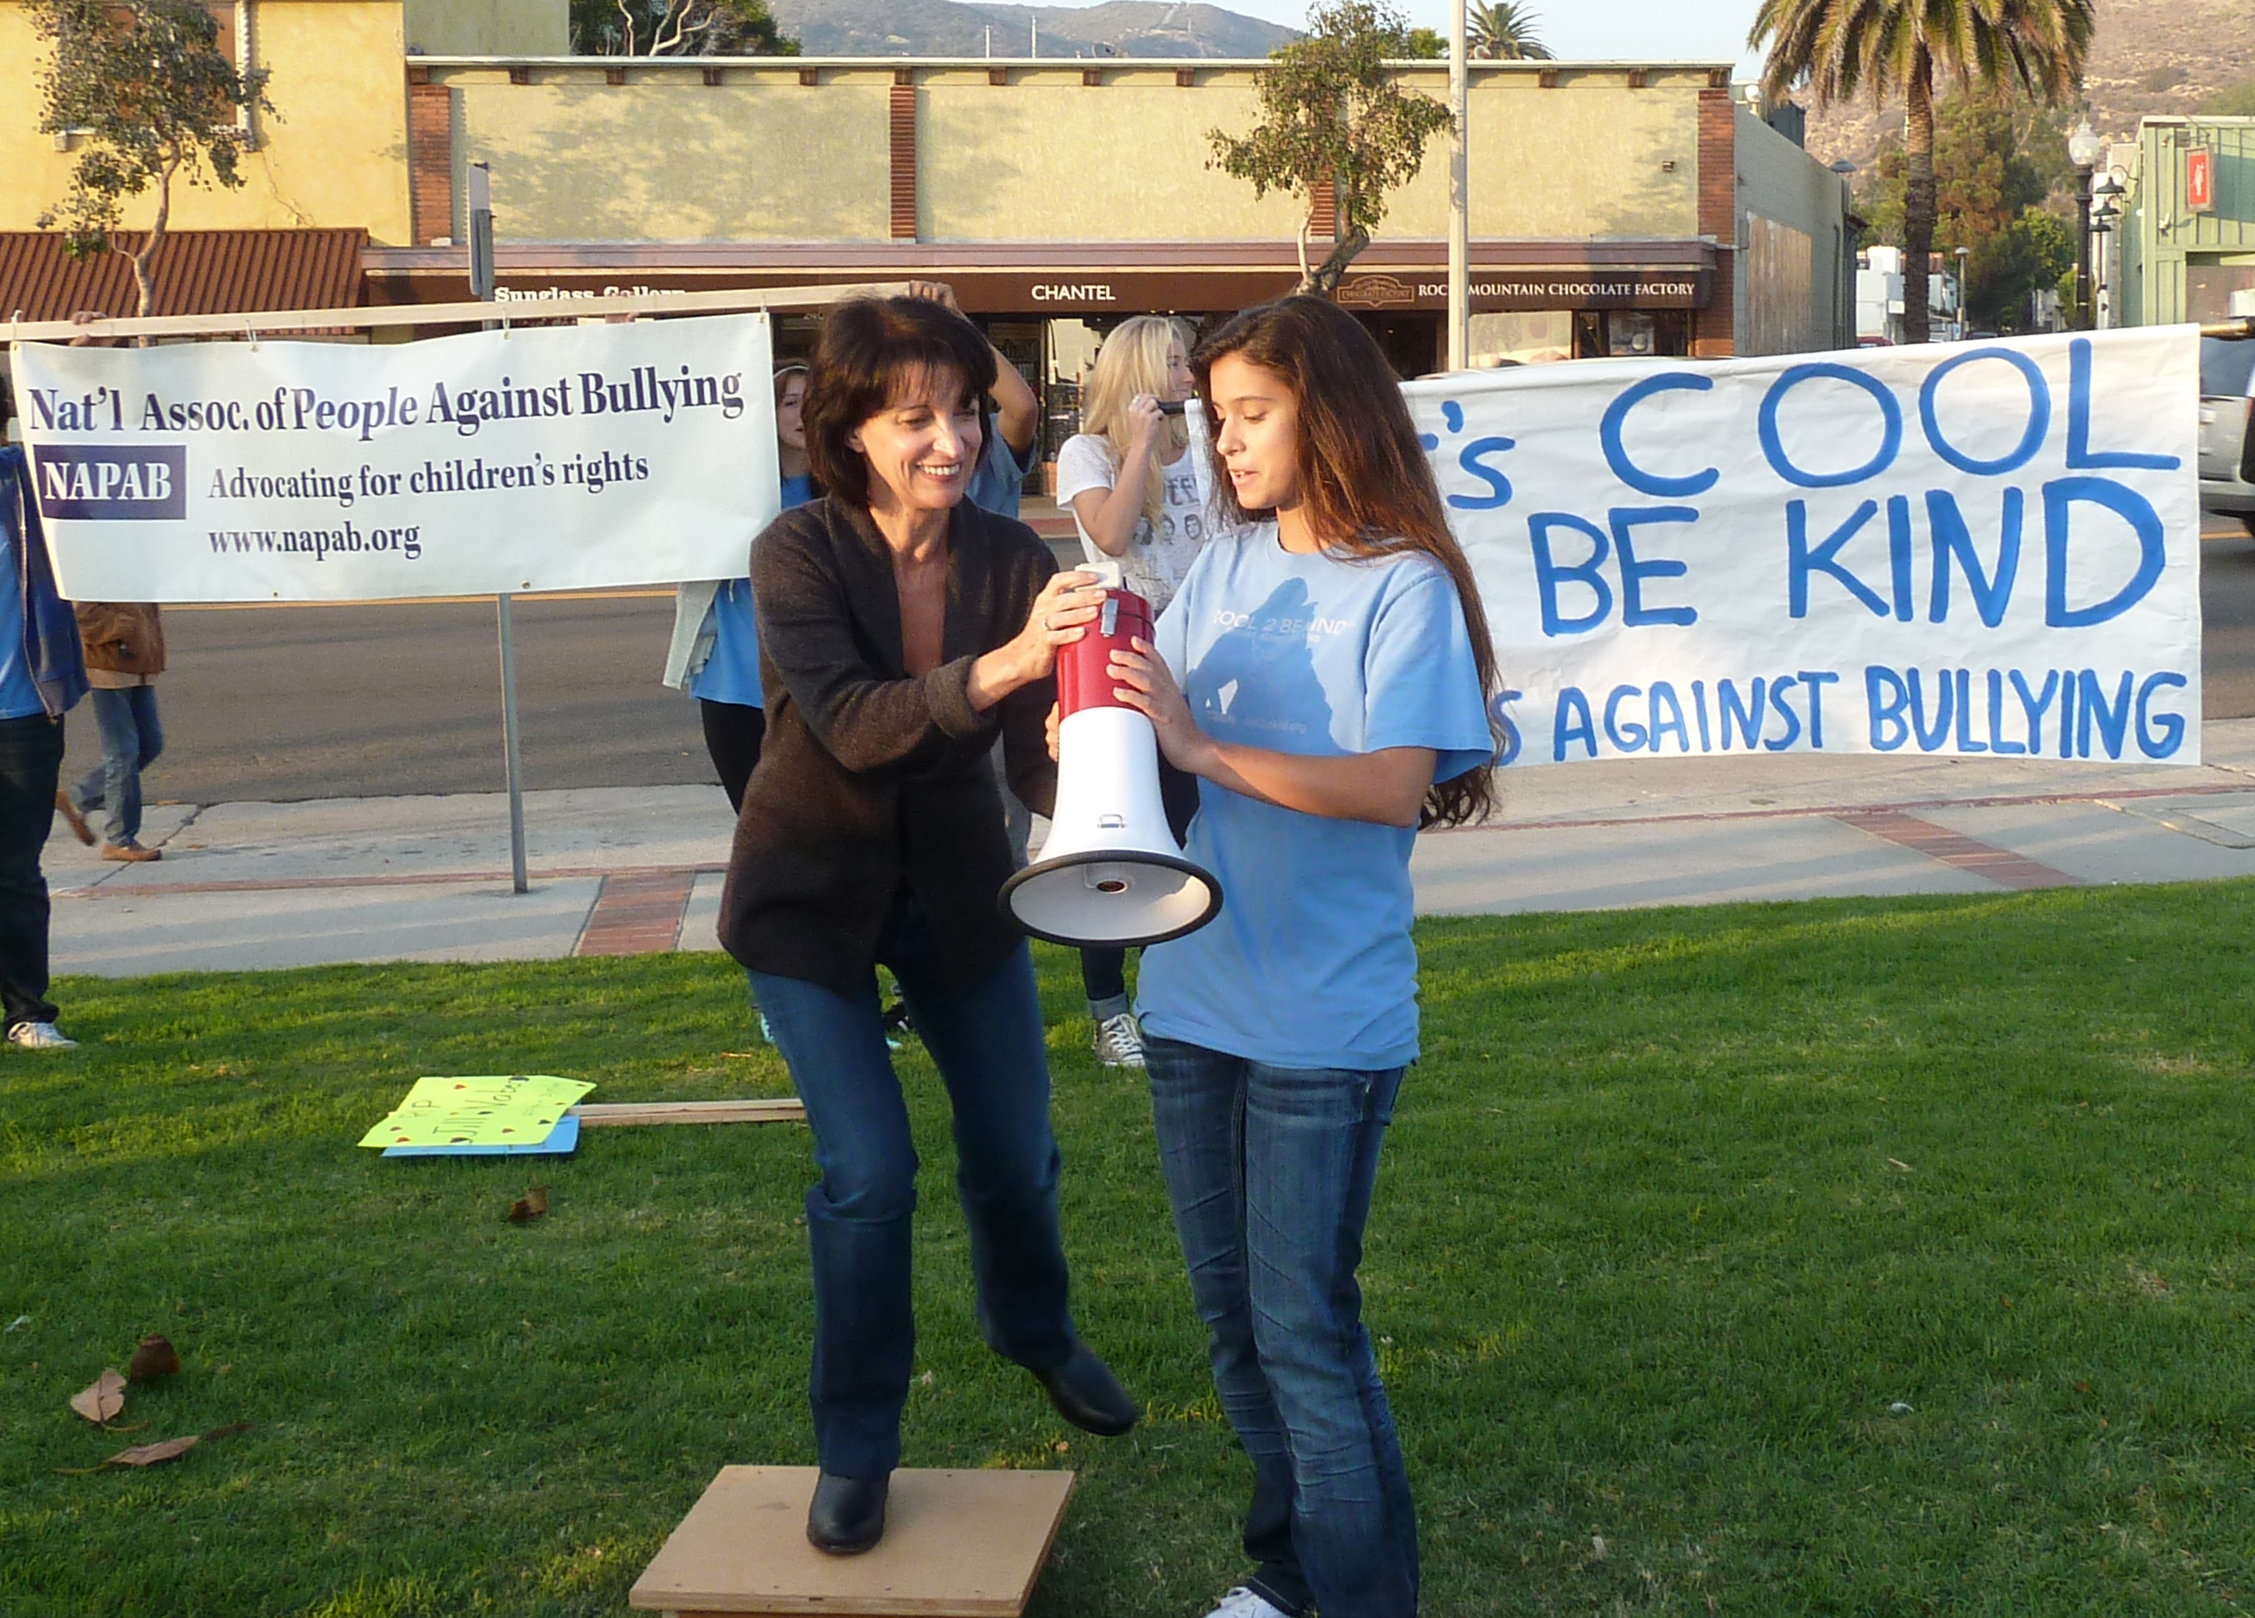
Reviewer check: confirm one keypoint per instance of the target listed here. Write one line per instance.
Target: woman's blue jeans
(1270, 1170)
(987, 1041)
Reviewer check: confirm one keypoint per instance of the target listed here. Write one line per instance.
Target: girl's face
(1257, 434)
(922, 446)
(790, 413)
(1180, 384)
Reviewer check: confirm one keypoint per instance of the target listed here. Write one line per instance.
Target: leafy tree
(2238, 101)
(1331, 112)
(1501, 31)
(146, 85)
(1877, 48)
(2002, 180)
(678, 28)
(1426, 45)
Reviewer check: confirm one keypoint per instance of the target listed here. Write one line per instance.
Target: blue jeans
(1270, 1171)
(987, 1041)
(131, 741)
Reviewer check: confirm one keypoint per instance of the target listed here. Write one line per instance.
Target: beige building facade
(1614, 207)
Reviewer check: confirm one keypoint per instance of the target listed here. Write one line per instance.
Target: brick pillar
(904, 159)
(1714, 328)
(430, 161)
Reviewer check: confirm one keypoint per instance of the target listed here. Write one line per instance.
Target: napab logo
(106, 483)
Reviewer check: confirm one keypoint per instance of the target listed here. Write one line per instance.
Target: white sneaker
(1243, 1603)
(42, 1036)
(1119, 1041)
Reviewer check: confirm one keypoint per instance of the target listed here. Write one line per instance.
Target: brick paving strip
(1998, 865)
(638, 914)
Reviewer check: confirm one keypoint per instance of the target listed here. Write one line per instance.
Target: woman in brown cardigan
(900, 628)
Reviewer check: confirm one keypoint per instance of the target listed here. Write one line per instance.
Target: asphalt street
(287, 703)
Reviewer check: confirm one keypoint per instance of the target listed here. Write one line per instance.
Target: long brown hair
(1369, 489)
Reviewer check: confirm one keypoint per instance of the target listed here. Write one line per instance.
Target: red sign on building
(2200, 181)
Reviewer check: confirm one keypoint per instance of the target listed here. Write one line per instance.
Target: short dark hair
(868, 349)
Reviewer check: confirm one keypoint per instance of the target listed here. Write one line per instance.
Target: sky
(1593, 30)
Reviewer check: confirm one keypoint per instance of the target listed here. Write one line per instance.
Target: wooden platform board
(957, 1545)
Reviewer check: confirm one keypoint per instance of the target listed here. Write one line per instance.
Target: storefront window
(1534, 338)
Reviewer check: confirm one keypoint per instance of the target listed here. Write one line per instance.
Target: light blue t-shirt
(999, 480)
(731, 673)
(1310, 963)
(19, 693)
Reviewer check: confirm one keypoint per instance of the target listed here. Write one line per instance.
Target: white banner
(1966, 549)
(572, 457)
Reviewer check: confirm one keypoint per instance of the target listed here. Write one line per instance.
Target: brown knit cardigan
(869, 779)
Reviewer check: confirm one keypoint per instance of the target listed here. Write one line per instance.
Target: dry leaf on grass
(155, 1357)
(171, 1449)
(103, 1400)
(530, 1206)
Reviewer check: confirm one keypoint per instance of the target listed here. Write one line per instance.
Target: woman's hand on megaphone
(1061, 614)
(1145, 683)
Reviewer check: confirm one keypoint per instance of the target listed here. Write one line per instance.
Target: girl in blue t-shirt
(1324, 672)
(716, 639)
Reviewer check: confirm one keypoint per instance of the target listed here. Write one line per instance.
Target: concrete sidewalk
(614, 871)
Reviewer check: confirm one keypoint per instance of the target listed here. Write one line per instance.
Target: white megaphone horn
(1111, 872)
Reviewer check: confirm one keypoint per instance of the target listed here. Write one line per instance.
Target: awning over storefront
(198, 272)
(1079, 279)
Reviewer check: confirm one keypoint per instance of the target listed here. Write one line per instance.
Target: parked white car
(2227, 447)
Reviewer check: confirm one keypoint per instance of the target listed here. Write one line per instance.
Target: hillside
(2147, 57)
(948, 28)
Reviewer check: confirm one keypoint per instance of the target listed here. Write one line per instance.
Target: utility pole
(1460, 222)
(481, 288)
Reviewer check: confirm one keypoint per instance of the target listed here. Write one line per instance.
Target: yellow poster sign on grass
(488, 1110)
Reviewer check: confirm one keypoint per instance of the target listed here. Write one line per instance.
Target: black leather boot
(1088, 1395)
(847, 1515)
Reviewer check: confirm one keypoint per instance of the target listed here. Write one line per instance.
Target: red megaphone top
(1084, 669)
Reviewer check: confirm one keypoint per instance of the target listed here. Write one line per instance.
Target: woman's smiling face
(1258, 433)
(922, 447)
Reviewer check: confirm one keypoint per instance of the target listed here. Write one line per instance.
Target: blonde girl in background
(1127, 478)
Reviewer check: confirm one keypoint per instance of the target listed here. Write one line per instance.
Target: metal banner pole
(517, 881)
(480, 221)
(1460, 205)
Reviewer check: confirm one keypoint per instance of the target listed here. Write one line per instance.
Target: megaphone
(1111, 872)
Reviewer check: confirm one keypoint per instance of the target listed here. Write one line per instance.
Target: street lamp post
(1963, 323)
(2083, 150)
(2106, 213)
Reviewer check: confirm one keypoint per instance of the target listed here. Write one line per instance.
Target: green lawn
(1679, 1207)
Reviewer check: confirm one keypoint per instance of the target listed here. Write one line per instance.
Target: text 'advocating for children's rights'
(557, 458)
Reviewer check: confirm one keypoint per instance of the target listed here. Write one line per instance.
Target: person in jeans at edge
(1128, 481)
(42, 673)
(124, 646)
(901, 629)
(1324, 672)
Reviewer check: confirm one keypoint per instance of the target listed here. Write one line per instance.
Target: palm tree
(1501, 31)
(1879, 48)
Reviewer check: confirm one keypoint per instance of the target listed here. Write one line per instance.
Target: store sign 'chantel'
(559, 458)
(1929, 549)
